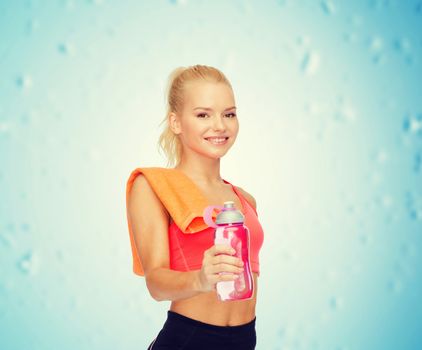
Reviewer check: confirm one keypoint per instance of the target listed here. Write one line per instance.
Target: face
(208, 111)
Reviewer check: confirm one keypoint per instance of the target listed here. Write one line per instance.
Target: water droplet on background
(365, 238)
(375, 49)
(395, 286)
(350, 37)
(328, 7)
(24, 82)
(69, 5)
(386, 201)
(330, 275)
(310, 63)
(414, 205)
(7, 236)
(281, 2)
(303, 40)
(184, 2)
(345, 112)
(281, 332)
(408, 249)
(376, 178)
(25, 227)
(378, 58)
(381, 157)
(10, 227)
(74, 303)
(47, 304)
(313, 108)
(376, 44)
(351, 208)
(59, 255)
(413, 124)
(381, 4)
(32, 25)
(5, 127)
(336, 302)
(29, 263)
(357, 20)
(96, 2)
(417, 162)
(401, 268)
(402, 45)
(66, 48)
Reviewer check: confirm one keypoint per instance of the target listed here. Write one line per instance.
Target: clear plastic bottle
(231, 230)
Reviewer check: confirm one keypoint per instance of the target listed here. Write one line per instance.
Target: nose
(218, 124)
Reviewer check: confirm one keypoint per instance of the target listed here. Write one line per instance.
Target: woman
(201, 126)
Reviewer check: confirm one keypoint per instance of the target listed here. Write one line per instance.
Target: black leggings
(184, 333)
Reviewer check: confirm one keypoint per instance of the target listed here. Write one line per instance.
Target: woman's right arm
(150, 221)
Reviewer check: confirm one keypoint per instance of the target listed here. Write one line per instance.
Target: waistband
(246, 327)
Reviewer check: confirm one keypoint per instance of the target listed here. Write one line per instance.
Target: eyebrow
(210, 109)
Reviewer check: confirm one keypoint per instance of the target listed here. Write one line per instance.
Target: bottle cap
(229, 214)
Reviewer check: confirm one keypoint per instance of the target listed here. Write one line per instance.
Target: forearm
(166, 284)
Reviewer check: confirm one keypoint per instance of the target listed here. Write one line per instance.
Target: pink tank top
(187, 251)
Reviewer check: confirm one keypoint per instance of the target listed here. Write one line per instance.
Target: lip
(215, 144)
(216, 137)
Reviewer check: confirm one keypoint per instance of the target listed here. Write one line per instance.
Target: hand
(218, 259)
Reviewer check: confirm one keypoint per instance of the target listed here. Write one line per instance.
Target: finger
(222, 248)
(228, 277)
(217, 259)
(222, 267)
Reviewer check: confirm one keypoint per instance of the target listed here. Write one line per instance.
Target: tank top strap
(242, 199)
(245, 203)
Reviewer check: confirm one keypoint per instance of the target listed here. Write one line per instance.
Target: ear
(175, 123)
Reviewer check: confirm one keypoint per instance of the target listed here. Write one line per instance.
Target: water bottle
(231, 230)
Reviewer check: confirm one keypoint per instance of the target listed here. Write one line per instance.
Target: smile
(217, 140)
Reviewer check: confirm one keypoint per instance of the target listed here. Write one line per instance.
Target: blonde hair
(168, 141)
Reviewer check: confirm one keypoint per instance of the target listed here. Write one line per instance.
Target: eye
(200, 115)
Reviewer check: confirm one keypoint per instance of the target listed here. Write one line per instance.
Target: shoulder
(139, 182)
(248, 196)
(141, 188)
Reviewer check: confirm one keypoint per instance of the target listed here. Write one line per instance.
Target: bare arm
(173, 285)
(150, 221)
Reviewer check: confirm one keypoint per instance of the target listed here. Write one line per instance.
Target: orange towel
(180, 196)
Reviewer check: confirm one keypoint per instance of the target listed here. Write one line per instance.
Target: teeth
(217, 139)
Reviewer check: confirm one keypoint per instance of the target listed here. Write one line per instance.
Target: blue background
(329, 97)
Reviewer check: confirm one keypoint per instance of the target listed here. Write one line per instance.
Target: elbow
(152, 289)
(155, 295)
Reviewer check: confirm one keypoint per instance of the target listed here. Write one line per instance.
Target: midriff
(207, 308)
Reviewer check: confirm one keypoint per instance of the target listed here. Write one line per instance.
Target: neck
(206, 172)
